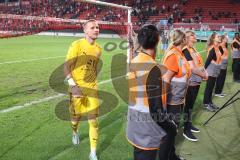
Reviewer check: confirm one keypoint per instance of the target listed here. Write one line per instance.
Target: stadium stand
(180, 13)
(187, 11)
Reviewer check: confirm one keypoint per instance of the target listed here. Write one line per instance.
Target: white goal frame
(126, 8)
(129, 21)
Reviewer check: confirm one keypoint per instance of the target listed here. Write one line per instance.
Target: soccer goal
(127, 29)
(33, 17)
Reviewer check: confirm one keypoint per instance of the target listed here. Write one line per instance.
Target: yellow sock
(93, 133)
(75, 126)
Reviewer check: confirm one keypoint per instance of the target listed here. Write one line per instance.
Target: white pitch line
(30, 60)
(202, 51)
(31, 103)
(14, 108)
(37, 59)
(109, 80)
(51, 97)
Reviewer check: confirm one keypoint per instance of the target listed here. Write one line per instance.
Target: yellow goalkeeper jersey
(83, 59)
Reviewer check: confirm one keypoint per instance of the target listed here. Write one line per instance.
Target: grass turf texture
(35, 132)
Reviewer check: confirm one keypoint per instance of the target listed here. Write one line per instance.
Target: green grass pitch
(36, 133)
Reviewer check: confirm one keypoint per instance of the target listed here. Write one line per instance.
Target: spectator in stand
(236, 21)
(164, 40)
(168, 9)
(163, 8)
(170, 20)
(183, 2)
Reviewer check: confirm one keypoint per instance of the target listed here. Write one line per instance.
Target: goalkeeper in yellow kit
(80, 70)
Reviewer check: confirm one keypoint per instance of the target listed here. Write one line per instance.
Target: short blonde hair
(189, 33)
(178, 37)
(88, 21)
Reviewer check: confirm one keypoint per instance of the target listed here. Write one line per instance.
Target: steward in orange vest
(147, 122)
(213, 67)
(222, 76)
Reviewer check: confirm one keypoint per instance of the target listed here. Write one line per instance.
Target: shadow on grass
(221, 151)
(224, 152)
(111, 126)
(24, 138)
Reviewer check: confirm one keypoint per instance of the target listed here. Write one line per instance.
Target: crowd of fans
(31, 24)
(50, 8)
(223, 14)
(19, 27)
(142, 9)
(64, 9)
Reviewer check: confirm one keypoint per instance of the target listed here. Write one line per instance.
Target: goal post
(129, 21)
(21, 19)
(106, 4)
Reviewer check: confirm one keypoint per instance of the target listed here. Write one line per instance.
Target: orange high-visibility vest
(179, 83)
(235, 52)
(142, 131)
(198, 61)
(235, 40)
(224, 57)
(214, 67)
(218, 54)
(139, 70)
(184, 67)
(225, 51)
(197, 58)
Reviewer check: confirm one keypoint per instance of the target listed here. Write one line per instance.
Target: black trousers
(166, 152)
(236, 69)
(191, 97)
(174, 111)
(209, 90)
(167, 148)
(140, 154)
(220, 81)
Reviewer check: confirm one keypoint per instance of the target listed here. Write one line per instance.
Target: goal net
(30, 17)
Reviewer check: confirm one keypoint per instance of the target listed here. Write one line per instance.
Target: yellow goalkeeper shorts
(84, 106)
